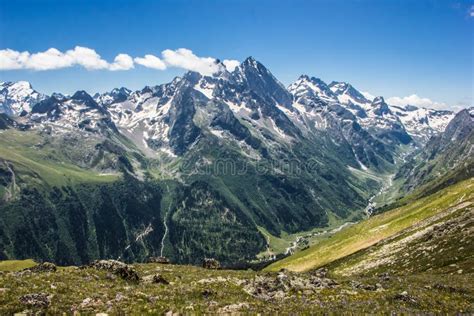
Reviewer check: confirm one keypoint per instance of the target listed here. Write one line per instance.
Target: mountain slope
(422, 123)
(425, 211)
(449, 152)
(439, 244)
(217, 159)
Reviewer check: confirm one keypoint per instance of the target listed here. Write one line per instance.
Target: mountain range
(208, 166)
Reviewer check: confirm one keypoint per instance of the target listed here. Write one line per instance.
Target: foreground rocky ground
(114, 288)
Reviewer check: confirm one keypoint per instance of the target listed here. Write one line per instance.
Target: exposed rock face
(210, 263)
(255, 75)
(183, 131)
(121, 269)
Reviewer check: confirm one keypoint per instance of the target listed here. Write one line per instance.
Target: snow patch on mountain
(422, 123)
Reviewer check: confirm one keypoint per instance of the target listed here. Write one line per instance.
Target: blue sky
(386, 47)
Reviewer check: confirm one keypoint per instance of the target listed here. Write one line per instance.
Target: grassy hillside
(442, 244)
(371, 231)
(16, 265)
(183, 289)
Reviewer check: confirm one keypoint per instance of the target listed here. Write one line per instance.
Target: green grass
(375, 229)
(16, 265)
(193, 290)
(442, 244)
(277, 245)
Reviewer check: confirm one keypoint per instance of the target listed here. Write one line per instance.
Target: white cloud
(185, 58)
(471, 11)
(368, 95)
(415, 100)
(55, 59)
(151, 61)
(91, 60)
(231, 64)
(50, 59)
(11, 59)
(122, 62)
(88, 58)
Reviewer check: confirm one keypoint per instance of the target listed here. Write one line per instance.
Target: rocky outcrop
(43, 267)
(210, 263)
(38, 300)
(161, 260)
(285, 283)
(159, 279)
(125, 271)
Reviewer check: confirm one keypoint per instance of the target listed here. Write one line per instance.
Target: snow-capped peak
(18, 97)
(251, 66)
(346, 94)
(116, 95)
(311, 87)
(422, 123)
(256, 77)
(121, 90)
(250, 61)
(59, 96)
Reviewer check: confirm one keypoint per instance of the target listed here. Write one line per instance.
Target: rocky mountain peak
(59, 96)
(256, 77)
(460, 126)
(311, 87)
(82, 95)
(347, 93)
(121, 91)
(250, 62)
(380, 107)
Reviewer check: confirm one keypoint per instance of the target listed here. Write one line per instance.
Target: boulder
(162, 260)
(233, 308)
(40, 300)
(43, 267)
(91, 303)
(123, 270)
(159, 279)
(210, 263)
(404, 296)
(320, 273)
(367, 287)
